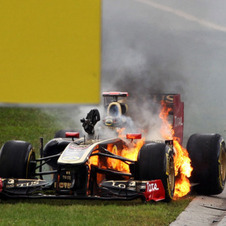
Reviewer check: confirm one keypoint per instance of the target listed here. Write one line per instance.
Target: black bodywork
(82, 179)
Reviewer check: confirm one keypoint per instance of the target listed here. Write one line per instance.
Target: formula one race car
(93, 167)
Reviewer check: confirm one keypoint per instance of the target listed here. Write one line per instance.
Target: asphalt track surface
(204, 210)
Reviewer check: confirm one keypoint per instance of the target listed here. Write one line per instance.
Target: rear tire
(17, 160)
(155, 161)
(208, 159)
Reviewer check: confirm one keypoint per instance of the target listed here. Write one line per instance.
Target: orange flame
(166, 128)
(94, 160)
(115, 164)
(182, 161)
(130, 153)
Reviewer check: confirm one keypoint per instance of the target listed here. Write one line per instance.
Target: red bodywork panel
(154, 191)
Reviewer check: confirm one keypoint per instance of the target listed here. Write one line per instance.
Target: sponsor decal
(128, 185)
(168, 98)
(152, 187)
(11, 183)
(154, 191)
(63, 185)
(138, 186)
(28, 184)
(66, 177)
(118, 185)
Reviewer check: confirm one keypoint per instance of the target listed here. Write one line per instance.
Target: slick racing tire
(208, 159)
(17, 160)
(155, 161)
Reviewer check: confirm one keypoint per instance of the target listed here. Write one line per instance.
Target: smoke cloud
(168, 47)
(165, 46)
(130, 64)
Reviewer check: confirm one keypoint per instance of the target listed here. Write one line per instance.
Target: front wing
(112, 189)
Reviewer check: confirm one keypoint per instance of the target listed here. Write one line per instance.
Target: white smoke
(151, 46)
(169, 47)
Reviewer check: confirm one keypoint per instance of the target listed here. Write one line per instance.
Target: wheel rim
(29, 168)
(222, 164)
(171, 175)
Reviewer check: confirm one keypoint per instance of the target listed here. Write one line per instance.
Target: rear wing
(176, 115)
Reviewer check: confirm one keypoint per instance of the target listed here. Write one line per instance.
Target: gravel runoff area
(204, 210)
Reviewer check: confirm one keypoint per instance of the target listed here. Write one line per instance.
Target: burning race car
(125, 166)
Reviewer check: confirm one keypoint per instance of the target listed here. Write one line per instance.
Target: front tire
(54, 147)
(17, 160)
(155, 161)
(208, 159)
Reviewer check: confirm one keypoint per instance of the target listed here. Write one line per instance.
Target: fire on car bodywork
(123, 166)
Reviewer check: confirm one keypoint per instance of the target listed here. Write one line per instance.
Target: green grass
(89, 212)
(31, 123)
